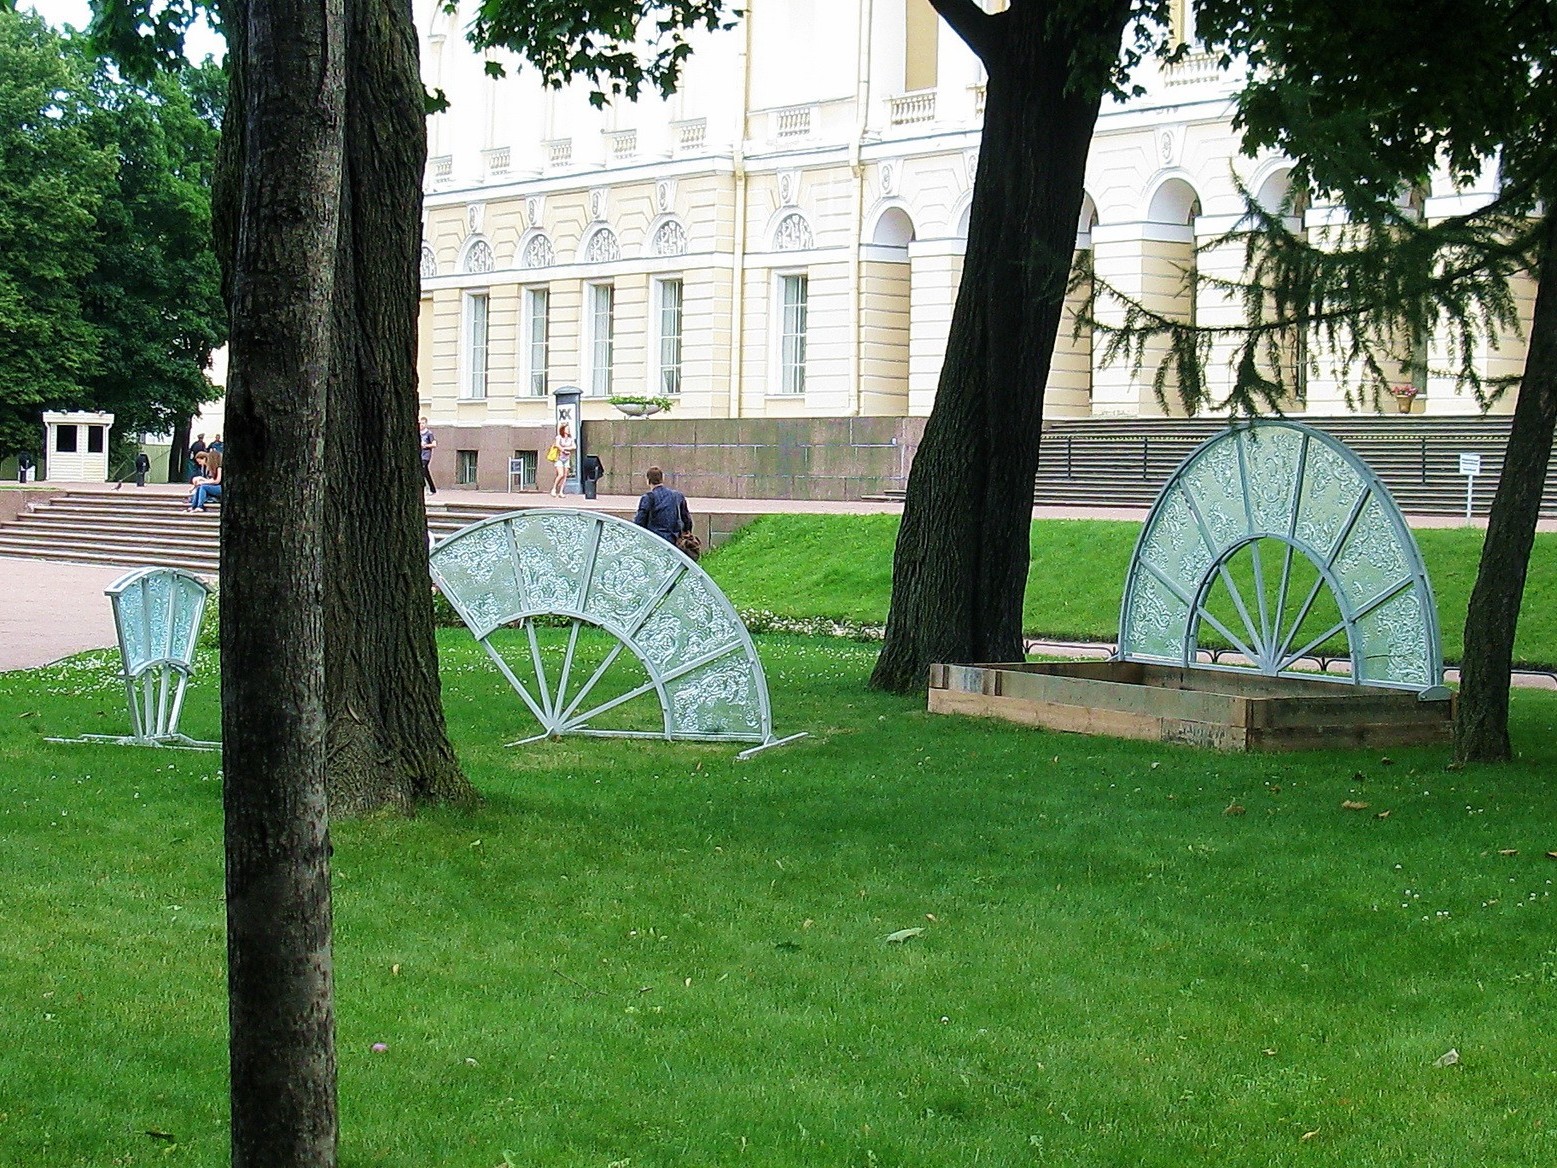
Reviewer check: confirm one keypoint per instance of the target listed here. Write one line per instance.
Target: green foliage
(109, 291)
(54, 178)
(630, 399)
(1117, 972)
(620, 46)
(839, 567)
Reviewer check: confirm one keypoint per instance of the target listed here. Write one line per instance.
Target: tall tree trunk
(387, 740)
(278, 208)
(178, 453)
(960, 568)
(1481, 721)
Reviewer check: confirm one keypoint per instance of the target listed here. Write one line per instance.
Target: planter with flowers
(639, 407)
(1404, 395)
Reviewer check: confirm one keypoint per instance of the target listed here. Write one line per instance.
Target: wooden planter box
(1200, 707)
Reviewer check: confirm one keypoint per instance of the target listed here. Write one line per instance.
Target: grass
(839, 566)
(643, 954)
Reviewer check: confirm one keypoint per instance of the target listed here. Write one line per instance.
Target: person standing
(196, 449)
(429, 444)
(564, 444)
(663, 510)
(216, 447)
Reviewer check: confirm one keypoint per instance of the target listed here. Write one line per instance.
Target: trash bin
(590, 473)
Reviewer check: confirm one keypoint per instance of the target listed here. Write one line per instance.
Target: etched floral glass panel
(1397, 644)
(630, 572)
(1175, 546)
(1156, 620)
(1331, 488)
(1215, 481)
(720, 697)
(1370, 560)
(1271, 456)
(477, 574)
(690, 622)
(553, 549)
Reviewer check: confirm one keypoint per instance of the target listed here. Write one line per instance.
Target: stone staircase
(1125, 462)
(135, 529)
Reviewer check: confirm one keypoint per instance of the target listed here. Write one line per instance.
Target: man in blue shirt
(663, 510)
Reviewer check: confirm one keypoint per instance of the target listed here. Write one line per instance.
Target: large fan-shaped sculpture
(1279, 540)
(585, 587)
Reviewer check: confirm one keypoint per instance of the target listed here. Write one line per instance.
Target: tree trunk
(178, 453)
(278, 207)
(387, 741)
(960, 567)
(1481, 720)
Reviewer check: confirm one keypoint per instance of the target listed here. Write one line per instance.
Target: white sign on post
(1470, 467)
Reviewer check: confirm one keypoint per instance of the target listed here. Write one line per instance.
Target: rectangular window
(669, 296)
(95, 439)
(536, 344)
(465, 468)
(476, 305)
(792, 335)
(601, 304)
(65, 439)
(521, 470)
(922, 28)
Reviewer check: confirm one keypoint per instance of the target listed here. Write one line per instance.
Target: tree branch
(971, 23)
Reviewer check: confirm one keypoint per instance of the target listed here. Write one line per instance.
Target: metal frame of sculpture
(593, 569)
(157, 613)
(1285, 482)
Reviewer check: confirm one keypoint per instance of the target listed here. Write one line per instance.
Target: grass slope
(643, 953)
(839, 566)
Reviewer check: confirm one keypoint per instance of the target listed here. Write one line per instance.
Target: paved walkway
(49, 610)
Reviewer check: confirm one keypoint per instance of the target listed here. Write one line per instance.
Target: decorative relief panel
(537, 252)
(793, 234)
(478, 257)
(670, 239)
(602, 247)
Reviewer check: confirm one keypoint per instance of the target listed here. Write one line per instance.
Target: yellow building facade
(783, 237)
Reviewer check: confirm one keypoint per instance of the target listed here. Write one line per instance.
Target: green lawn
(645, 954)
(840, 566)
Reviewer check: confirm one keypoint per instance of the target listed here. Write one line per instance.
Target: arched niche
(893, 228)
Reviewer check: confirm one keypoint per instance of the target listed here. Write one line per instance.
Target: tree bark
(278, 209)
(960, 567)
(388, 745)
(1481, 719)
(178, 453)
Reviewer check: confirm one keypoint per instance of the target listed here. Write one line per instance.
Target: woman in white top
(566, 444)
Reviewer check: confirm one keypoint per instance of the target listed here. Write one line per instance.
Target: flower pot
(1405, 404)
(637, 409)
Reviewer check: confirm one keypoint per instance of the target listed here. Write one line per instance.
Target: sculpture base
(1221, 709)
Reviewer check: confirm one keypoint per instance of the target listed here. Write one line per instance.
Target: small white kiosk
(76, 446)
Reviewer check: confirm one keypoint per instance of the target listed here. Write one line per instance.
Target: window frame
(599, 350)
(475, 377)
(530, 346)
(791, 375)
(660, 336)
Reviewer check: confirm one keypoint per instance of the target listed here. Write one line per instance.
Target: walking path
(51, 610)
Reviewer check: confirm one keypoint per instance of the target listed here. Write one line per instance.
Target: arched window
(793, 234)
(602, 247)
(429, 262)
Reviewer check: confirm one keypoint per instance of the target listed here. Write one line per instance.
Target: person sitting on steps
(207, 481)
